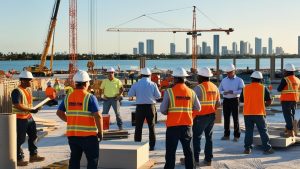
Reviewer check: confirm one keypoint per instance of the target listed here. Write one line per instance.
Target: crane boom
(49, 35)
(174, 30)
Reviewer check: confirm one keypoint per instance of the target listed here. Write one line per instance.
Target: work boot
(204, 163)
(270, 151)
(21, 162)
(225, 138)
(247, 151)
(290, 133)
(182, 161)
(120, 127)
(36, 158)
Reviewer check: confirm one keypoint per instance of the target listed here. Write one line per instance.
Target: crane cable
(209, 19)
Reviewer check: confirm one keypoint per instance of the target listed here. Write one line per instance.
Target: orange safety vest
(80, 122)
(209, 96)
(254, 99)
(26, 100)
(180, 108)
(50, 92)
(291, 91)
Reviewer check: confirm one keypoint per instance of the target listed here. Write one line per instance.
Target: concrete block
(276, 141)
(121, 154)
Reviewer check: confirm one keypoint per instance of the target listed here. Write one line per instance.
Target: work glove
(100, 136)
(34, 111)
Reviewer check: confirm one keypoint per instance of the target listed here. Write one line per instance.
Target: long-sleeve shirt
(145, 90)
(166, 101)
(281, 85)
(235, 84)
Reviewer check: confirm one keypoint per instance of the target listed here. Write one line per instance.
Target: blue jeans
(203, 123)
(262, 129)
(288, 109)
(184, 135)
(116, 106)
(88, 145)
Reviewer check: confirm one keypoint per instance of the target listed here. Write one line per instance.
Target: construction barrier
(106, 121)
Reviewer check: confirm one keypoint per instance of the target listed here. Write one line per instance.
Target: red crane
(72, 39)
(194, 32)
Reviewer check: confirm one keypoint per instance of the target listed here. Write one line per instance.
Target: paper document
(41, 103)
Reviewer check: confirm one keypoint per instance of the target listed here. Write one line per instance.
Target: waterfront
(163, 64)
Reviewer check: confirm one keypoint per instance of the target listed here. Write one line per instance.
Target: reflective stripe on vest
(80, 122)
(254, 99)
(180, 108)
(209, 97)
(291, 91)
(26, 100)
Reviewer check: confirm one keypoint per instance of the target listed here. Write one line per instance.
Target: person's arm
(157, 94)
(165, 104)
(95, 109)
(61, 111)
(131, 92)
(218, 101)
(242, 97)
(102, 88)
(268, 99)
(16, 101)
(241, 85)
(281, 85)
(221, 89)
(196, 104)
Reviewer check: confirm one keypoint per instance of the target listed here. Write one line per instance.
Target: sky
(24, 24)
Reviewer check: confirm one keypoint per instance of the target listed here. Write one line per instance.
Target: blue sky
(24, 23)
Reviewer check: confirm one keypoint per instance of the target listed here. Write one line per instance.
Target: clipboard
(41, 103)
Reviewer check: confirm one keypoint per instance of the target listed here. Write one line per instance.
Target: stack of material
(44, 126)
(6, 87)
(115, 134)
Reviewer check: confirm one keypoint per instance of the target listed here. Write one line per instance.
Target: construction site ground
(227, 154)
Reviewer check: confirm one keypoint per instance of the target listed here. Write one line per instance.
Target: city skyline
(24, 24)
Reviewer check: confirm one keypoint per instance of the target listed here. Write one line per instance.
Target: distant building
(198, 50)
(251, 51)
(187, 46)
(270, 46)
(258, 46)
(224, 50)
(135, 51)
(299, 45)
(234, 48)
(150, 46)
(172, 48)
(279, 51)
(216, 45)
(141, 48)
(242, 48)
(264, 50)
(208, 50)
(204, 48)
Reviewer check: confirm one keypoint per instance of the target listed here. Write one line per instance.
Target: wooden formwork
(6, 87)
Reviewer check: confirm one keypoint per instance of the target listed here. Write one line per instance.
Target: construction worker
(209, 97)
(178, 104)
(289, 88)
(84, 122)
(231, 88)
(146, 93)
(255, 97)
(51, 93)
(22, 107)
(112, 90)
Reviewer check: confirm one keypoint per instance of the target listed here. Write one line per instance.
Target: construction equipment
(41, 69)
(194, 32)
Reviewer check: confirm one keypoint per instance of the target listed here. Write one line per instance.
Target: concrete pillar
(272, 67)
(282, 62)
(257, 63)
(8, 141)
(142, 62)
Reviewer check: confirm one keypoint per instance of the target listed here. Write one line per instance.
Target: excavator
(41, 70)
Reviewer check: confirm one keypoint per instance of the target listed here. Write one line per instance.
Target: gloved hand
(34, 111)
(100, 136)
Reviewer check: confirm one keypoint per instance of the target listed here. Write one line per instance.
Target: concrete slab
(276, 141)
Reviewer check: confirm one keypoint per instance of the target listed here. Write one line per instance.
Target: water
(134, 64)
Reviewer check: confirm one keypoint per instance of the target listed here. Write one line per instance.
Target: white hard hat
(81, 76)
(26, 75)
(205, 71)
(229, 68)
(289, 67)
(145, 71)
(49, 83)
(257, 75)
(111, 69)
(180, 72)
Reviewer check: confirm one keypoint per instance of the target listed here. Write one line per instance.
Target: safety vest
(180, 108)
(254, 99)
(80, 122)
(291, 91)
(26, 100)
(209, 97)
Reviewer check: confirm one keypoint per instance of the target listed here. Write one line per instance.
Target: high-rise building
(270, 46)
(242, 48)
(208, 50)
(187, 46)
(134, 51)
(299, 45)
(258, 46)
(198, 50)
(141, 48)
(234, 48)
(279, 51)
(264, 50)
(251, 51)
(216, 45)
(150, 46)
(204, 48)
(224, 50)
(172, 48)
(246, 44)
